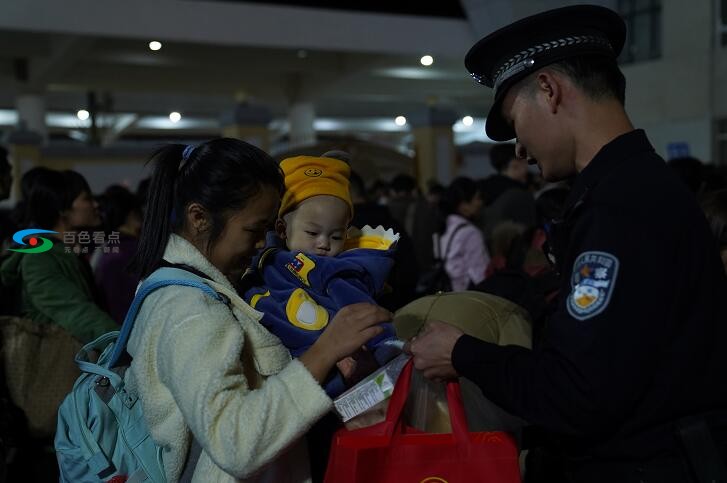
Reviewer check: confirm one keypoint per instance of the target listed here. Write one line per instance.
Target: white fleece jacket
(200, 370)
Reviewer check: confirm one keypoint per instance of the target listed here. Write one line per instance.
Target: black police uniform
(629, 376)
(638, 339)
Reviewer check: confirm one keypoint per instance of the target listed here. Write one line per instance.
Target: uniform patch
(592, 283)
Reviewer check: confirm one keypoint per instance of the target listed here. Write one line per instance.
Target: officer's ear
(550, 85)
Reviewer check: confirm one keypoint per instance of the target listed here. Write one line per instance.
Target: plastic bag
(427, 409)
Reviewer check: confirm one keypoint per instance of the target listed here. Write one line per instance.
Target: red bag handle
(457, 418)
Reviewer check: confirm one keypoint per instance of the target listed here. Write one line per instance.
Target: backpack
(532, 287)
(101, 434)
(436, 278)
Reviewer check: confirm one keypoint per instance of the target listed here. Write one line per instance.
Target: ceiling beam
(65, 52)
(123, 123)
(251, 24)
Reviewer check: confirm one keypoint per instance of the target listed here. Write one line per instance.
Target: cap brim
(495, 126)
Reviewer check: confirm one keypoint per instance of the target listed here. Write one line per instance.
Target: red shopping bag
(391, 452)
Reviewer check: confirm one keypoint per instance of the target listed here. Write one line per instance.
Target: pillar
(434, 144)
(31, 114)
(24, 152)
(302, 116)
(249, 123)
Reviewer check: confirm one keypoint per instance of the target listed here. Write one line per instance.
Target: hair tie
(188, 151)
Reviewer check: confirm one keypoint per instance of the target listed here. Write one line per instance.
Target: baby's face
(318, 226)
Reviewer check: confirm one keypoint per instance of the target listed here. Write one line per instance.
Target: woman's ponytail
(160, 218)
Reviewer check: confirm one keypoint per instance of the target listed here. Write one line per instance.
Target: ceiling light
(83, 114)
(427, 60)
(155, 45)
(175, 117)
(468, 120)
(400, 120)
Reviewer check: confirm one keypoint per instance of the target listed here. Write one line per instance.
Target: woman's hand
(351, 328)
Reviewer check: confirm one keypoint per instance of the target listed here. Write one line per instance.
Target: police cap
(515, 51)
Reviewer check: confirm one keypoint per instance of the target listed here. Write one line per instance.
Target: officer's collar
(610, 156)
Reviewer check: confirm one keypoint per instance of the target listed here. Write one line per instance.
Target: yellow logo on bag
(304, 312)
(433, 479)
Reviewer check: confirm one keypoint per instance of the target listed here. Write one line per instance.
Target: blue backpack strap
(162, 277)
(85, 365)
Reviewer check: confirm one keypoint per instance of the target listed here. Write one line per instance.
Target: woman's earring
(201, 227)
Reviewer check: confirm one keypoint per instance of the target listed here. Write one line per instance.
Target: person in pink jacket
(461, 243)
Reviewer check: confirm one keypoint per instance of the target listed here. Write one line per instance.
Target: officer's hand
(432, 350)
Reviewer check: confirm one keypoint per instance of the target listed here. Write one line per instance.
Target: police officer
(629, 379)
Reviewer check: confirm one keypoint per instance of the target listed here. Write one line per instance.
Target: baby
(314, 265)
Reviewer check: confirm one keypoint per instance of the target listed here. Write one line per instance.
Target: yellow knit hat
(308, 176)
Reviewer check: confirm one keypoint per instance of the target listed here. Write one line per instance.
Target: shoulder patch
(592, 283)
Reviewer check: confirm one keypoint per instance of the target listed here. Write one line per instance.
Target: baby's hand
(347, 367)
